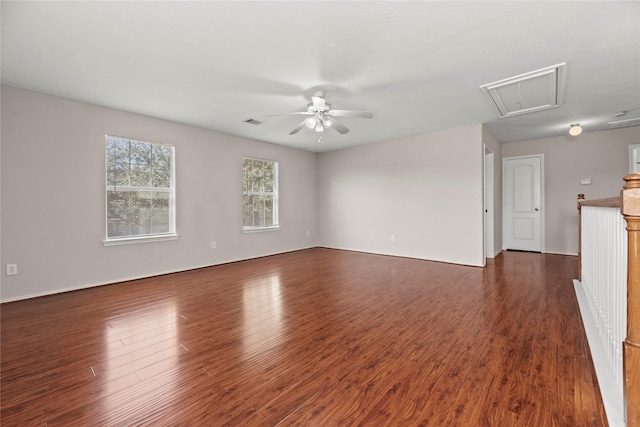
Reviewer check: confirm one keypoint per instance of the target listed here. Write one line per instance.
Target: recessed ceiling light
(620, 114)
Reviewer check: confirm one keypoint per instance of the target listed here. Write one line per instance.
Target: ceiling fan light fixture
(311, 122)
(575, 129)
(321, 117)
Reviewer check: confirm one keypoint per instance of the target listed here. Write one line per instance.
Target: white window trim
(172, 235)
(260, 229)
(140, 239)
(276, 196)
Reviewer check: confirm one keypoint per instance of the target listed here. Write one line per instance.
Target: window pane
(162, 156)
(246, 175)
(117, 214)
(268, 177)
(117, 162)
(112, 151)
(266, 211)
(161, 177)
(143, 204)
(160, 214)
(117, 149)
(256, 175)
(260, 213)
(111, 174)
(140, 153)
(122, 176)
(140, 176)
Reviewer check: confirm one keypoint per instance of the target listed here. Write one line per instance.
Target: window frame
(171, 234)
(275, 194)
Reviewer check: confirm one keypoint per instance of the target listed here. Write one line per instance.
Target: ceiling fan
(323, 117)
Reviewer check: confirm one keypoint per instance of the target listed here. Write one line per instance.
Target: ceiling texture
(418, 66)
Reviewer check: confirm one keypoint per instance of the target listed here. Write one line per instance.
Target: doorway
(523, 197)
(489, 218)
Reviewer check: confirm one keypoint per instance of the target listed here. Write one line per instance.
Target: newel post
(580, 199)
(631, 212)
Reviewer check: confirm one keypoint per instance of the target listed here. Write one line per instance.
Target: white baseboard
(142, 276)
(560, 253)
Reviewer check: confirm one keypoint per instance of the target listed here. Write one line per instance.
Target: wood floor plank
(313, 337)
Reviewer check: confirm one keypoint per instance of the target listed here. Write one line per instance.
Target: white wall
(600, 156)
(53, 202)
(427, 190)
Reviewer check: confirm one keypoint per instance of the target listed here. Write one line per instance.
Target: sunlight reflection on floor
(263, 316)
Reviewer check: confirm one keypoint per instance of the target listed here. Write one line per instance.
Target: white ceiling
(418, 66)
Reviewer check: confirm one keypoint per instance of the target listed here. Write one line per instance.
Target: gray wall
(426, 190)
(602, 157)
(53, 202)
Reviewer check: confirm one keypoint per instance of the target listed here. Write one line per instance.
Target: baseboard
(561, 253)
(399, 256)
(142, 276)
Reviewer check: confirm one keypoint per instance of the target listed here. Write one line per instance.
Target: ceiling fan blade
(337, 125)
(304, 113)
(351, 113)
(300, 126)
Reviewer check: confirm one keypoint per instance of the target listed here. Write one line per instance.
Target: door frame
(489, 204)
(542, 198)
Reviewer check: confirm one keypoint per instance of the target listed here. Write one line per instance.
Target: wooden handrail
(631, 347)
(611, 202)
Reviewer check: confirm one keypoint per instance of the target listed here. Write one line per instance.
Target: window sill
(260, 229)
(143, 239)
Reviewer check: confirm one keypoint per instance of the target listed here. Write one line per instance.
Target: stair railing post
(631, 347)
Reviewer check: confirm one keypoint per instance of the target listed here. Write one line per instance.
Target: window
(140, 190)
(260, 194)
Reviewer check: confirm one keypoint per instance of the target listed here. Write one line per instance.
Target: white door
(523, 203)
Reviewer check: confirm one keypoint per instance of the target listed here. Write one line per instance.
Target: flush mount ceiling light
(575, 129)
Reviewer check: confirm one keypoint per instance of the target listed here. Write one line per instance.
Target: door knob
(537, 209)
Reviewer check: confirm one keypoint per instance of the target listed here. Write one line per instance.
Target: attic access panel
(535, 91)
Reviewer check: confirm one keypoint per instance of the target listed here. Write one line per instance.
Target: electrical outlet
(393, 237)
(214, 245)
(308, 233)
(12, 269)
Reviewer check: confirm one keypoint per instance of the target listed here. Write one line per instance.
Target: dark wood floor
(315, 338)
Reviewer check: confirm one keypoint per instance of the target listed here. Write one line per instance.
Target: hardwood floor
(317, 337)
